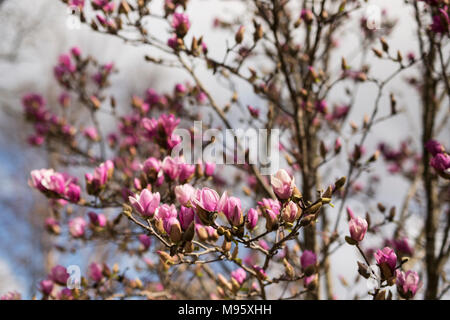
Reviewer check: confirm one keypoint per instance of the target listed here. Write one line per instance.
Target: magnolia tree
(207, 211)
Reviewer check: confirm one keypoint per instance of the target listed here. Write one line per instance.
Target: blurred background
(34, 33)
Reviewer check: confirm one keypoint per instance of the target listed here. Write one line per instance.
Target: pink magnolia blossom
(184, 193)
(145, 240)
(180, 88)
(434, 147)
(440, 162)
(270, 204)
(65, 294)
(59, 275)
(387, 256)
(407, 283)
(46, 286)
(206, 199)
(91, 133)
(98, 220)
(76, 3)
(231, 207)
(186, 172)
(77, 227)
(282, 184)
(101, 175)
(290, 213)
(166, 211)
(308, 258)
(201, 96)
(186, 217)
(252, 218)
(172, 227)
(402, 245)
(171, 167)
(95, 271)
(181, 23)
(73, 192)
(358, 228)
(75, 51)
(47, 180)
(239, 275)
(146, 202)
(151, 165)
(254, 112)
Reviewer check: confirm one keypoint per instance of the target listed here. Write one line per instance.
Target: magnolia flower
(101, 175)
(239, 275)
(76, 3)
(146, 202)
(407, 283)
(171, 167)
(77, 227)
(186, 217)
(321, 106)
(206, 199)
(252, 218)
(358, 228)
(386, 256)
(231, 207)
(172, 227)
(152, 165)
(145, 240)
(282, 184)
(434, 147)
(47, 180)
(254, 112)
(184, 193)
(350, 213)
(75, 51)
(440, 162)
(402, 245)
(65, 294)
(166, 212)
(180, 88)
(91, 133)
(290, 212)
(46, 286)
(59, 275)
(98, 220)
(308, 258)
(270, 204)
(186, 172)
(95, 271)
(73, 192)
(181, 24)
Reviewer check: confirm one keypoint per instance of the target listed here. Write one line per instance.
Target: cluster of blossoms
(441, 12)
(402, 160)
(45, 122)
(55, 185)
(150, 203)
(407, 283)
